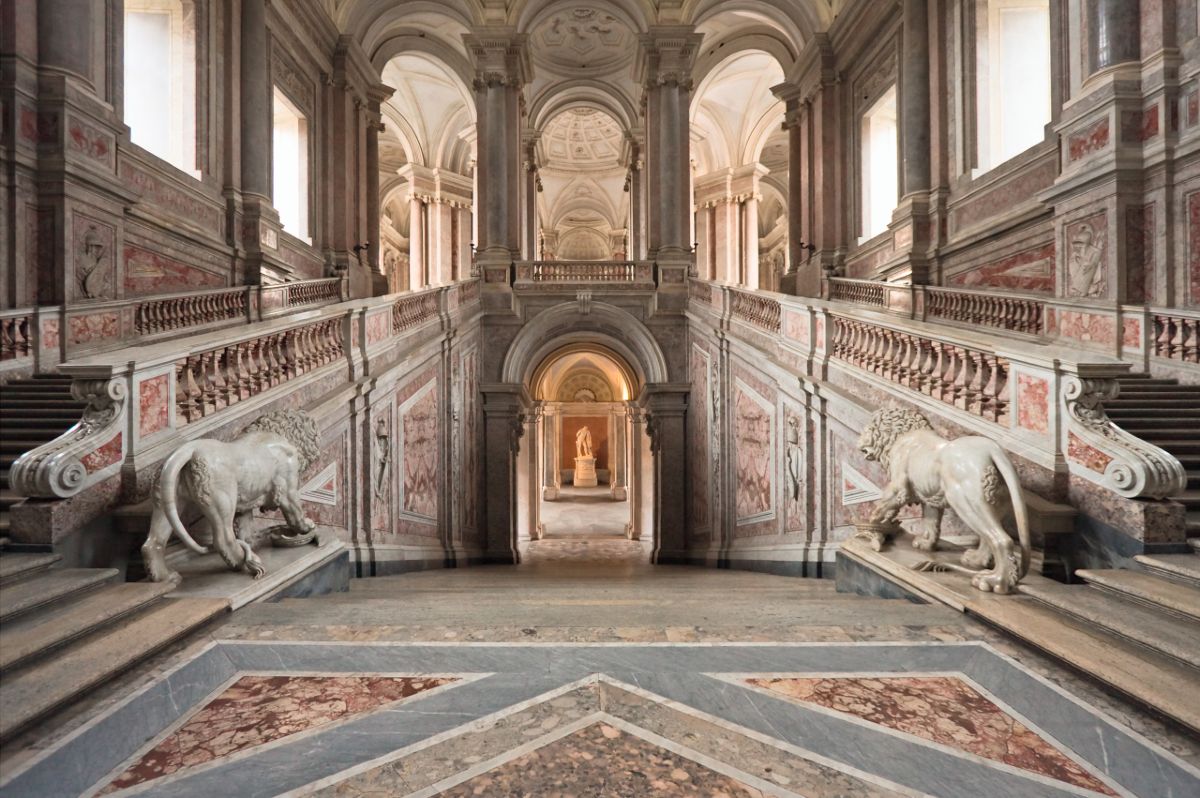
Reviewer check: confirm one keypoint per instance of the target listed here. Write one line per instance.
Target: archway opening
(586, 475)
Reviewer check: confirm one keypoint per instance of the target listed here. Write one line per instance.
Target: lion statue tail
(167, 491)
(1020, 510)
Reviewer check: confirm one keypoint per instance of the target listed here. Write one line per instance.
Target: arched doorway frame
(510, 414)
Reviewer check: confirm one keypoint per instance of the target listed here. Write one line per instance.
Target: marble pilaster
(416, 243)
(504, 407)
(664, 406)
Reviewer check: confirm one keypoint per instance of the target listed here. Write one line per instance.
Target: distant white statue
(971, 475)
(259, 470)
(583, 442)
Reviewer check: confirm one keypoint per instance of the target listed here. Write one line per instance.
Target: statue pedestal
(585, 472)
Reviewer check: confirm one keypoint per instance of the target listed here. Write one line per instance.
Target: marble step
(1156, 592)
(30, 693)
(1157, 631)
(1182, 568)
(42, 589)
(1149, 417)
(1149, 678)
(16, 566)
(40, 633)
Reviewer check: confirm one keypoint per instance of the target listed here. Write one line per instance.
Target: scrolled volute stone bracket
(56, 470)
(1135, 468)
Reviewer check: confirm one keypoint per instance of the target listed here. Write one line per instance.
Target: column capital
(666, 55)
(500, 56)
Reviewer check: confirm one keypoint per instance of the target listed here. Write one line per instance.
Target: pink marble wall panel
(154, 397)
(103, 456)
(1193, 109)
(419, 456)
(795, 326)
(379, 327)
(1139, 248)
(1086, 454)
(1030, 270)
(1090, 327)
(1138, 126)
(1193, 219)
(94, 327)
(753, 424)
(994, 201)
(698, 430)
(148, 272)
(159, 194)
(90, 141)
(1131, 332)
(1033, 403)
(50, 336)
(1089, 140)
(39, 253)
(37, 128)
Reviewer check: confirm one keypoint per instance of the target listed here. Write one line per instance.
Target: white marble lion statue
(226, 481)
(971, 475)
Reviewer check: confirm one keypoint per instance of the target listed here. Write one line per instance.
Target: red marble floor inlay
(601, 761)
(941, 709)
(260, 709)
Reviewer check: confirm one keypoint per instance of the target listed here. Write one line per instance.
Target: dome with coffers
(582, 138)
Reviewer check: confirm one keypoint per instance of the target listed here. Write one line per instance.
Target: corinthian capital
(500, 56)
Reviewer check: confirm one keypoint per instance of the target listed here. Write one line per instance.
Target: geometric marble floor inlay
(941, 709)
(256, 710)
(603, 761)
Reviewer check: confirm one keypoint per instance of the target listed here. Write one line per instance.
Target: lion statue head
(888, 424)
(294, 426)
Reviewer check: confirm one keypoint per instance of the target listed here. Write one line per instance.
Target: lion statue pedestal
(226, 483)
(970, 475)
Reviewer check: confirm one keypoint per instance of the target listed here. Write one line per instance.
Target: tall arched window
(289, 165)
(880, 164)
(160, 79)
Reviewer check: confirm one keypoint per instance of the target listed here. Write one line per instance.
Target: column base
(618, 493)
(550, 494)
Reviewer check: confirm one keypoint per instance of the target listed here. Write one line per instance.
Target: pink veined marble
(1033, 406)
(148, 272)
(1086, 326)
(1086, 454)
(50, 339)
(421, 456)
(256, 710)
(1030, 270)
(752, 441)
(153, 405)
(698, 460)
(1089, 140)
(377, 328)
(795, 327)
(103, 456)
(941, 709)
(1131, 333)
(94, 327)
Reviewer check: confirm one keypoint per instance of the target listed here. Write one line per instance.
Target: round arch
(602, 325)
(628, 374)
(563, 96)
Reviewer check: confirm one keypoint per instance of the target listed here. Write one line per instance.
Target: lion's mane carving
(226, 481)
(971, 475)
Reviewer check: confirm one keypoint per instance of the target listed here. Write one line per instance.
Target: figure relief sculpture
(1085, 268)
(970, 475)
(583, 442)
(795, 467)
(228, 481)
(91, 265)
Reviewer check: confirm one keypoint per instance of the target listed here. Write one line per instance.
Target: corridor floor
(606, 677)
(585, 525)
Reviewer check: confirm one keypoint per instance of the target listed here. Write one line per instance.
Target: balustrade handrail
(16, 333)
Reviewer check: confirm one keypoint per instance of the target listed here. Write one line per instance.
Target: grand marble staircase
(1166, 414)
(65, 631)
(32, 412)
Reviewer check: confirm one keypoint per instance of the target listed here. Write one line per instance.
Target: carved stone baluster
(974, 393)
(1162, 336)
(1191, 346)
(936, 367)
(1001, 391)
(1176, 350)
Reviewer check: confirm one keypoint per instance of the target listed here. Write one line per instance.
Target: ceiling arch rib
(734, 112)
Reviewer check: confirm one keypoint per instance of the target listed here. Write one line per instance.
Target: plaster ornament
(1085, 269)
(583, 443)
(971, 475)
(259, 470)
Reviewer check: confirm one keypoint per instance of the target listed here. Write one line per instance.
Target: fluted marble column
(750, 241)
